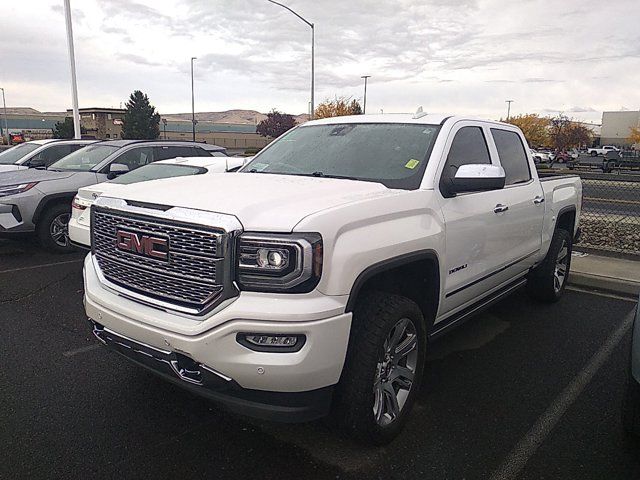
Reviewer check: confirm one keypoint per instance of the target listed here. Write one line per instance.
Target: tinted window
(136, 157)
(393, 154)
(512, 156)
(167, 152)
(468, 147)
(51, 155)
(16, 153)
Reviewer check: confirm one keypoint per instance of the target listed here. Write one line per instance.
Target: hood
(31, 175)
(261, 202)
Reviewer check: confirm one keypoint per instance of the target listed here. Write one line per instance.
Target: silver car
(39, 200)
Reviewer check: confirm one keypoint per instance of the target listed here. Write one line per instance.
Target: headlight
(289, 263)
(80, 203)
(15, 189)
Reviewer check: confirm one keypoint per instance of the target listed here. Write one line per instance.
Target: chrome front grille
(194, 277)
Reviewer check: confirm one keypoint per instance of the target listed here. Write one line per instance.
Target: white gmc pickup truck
(312, 282)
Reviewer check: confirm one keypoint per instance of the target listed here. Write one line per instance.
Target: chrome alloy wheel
(59, 230)
(395, 371)
(560, 271)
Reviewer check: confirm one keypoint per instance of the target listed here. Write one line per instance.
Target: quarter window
(512, 156)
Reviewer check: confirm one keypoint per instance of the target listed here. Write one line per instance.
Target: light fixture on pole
(364, 106)
(313, 41)
(509, 102)
(6, 123)
(72, 62)
(193, 104)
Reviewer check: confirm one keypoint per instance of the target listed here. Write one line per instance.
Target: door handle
(500, 208)
(538, 200)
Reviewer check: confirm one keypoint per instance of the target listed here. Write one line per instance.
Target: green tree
(141, 121)
(65, 129)
(275, 124)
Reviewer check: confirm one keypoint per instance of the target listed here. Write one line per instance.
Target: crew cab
(312, 282)
(594, 152)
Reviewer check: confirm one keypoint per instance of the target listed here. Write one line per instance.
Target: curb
(601, 282)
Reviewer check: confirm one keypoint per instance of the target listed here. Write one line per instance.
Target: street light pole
(313, 41)
(193, 105)
(6, 123)
(164, 125)
(509, 102)
(364, 106)
(72, 62)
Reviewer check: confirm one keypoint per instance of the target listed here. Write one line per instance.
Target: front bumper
(211, 342)
(204, 381)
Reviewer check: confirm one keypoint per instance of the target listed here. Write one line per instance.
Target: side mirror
(116, 169)
(477, 178)
(36, 162)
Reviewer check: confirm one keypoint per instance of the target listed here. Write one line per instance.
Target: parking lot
(523, 391)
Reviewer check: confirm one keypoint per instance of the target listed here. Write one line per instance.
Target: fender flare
(390, 264)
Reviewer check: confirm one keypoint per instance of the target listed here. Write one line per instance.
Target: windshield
(157, 171)
(84, 159)
(15, 154)
(394, 154)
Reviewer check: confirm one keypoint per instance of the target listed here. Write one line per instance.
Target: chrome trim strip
(179, 214)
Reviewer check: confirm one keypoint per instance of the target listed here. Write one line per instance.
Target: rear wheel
(53, 229)
(549, 279)
(382, 372)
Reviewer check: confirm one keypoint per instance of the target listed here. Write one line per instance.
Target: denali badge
(141, 244)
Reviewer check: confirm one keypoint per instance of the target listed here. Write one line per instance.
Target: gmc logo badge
(141, 244)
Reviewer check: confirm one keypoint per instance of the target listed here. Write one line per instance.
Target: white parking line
(44, 265)
(88, 348)
(529, 444)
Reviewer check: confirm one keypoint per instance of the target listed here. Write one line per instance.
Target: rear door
(522, 195)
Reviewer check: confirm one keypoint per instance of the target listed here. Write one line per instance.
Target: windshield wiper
(328, 175)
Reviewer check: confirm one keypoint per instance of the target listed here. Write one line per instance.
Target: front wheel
(53, 229)
(382, 372)
(549, 279)
(594, 154)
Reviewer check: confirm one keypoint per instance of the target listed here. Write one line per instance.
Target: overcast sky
(453, 56)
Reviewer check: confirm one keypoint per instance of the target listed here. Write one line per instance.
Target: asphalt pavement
(524, 391)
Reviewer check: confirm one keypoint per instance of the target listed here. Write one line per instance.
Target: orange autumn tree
(534, 127)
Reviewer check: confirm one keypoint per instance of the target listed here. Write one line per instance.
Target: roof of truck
(419, 118)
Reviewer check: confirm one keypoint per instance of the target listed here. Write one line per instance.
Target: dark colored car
(631, 403)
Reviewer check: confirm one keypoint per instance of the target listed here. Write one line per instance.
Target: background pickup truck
(594, 152)
(313, 281)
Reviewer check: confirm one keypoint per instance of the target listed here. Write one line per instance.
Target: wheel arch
(566, 219)
(414, 275)
(49, 200)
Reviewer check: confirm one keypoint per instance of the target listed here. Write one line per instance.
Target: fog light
(271, 342)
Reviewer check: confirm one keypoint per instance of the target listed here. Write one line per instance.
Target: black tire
(57, 214)
(631, 407)
(594, 154)
(543, 280)
(376, 316)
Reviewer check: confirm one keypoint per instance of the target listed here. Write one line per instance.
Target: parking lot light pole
(313, 41)
(509, 102)
(164, 126)
(6, 123)
(364, 103)
(193, 105)
(72, 62)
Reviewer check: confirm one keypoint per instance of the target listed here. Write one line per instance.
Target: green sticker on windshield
(413, 163)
